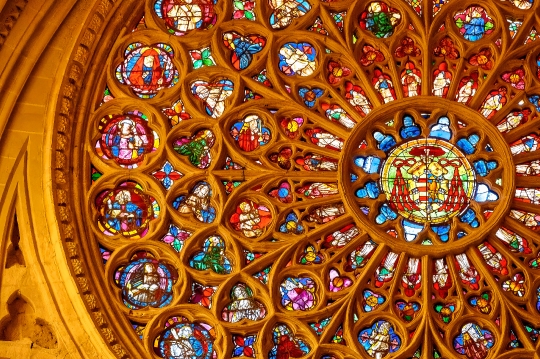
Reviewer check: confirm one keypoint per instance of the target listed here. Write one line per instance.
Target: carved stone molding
(9, 16)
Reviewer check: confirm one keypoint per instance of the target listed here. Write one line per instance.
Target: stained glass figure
(467, 272)
(442, 79)
(412, 280)
(442, 281)
(182, 16)
(356, 96)
(522, 4)
(184, 339)
(126, 139)
(147, 69)
(213, 257)
(196, 148)
(126, 210)
(243, 306)
(198, 202)
(286, 345)
(213, 95)
(297, 59)
(284, 12)
(513, 120)
(467, 88)
(324, 139)
(383, 84)
(146, 282)
(314, 162)
(251, 218)
(250, 133)
(474, 341)
(337, 114)
(380, 339)
(474, 22)
(243, 48)
(411, 79)
(380, 19)
(298, 293)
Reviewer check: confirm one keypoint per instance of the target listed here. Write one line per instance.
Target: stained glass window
(323, 179)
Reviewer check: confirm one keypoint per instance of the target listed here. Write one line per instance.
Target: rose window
(322, 179)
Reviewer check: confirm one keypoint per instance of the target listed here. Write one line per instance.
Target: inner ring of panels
(340, 179)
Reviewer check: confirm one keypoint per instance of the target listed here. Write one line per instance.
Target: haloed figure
(144, 285)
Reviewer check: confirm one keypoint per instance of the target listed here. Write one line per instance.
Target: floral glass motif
(474, 23)
(244, 9)
(182, 338)
(167, 175)
(202, 295)
(176, 113)
(126, 139)
(146, 282)
(201, 58)
(147, 69)
(380, 19)
(243, 346)
(126, 210)
(212, 257)
(176, 237)
(243, 306)
(182, 16)
(297, 59)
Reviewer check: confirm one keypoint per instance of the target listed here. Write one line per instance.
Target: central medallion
(418, 176)
(427, 180)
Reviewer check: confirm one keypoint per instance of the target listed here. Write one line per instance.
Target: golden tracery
(323, 179)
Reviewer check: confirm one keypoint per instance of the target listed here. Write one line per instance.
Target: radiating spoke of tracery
(323, 179)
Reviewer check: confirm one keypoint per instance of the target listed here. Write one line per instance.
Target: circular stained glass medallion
(427, 180)
(376, 187)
